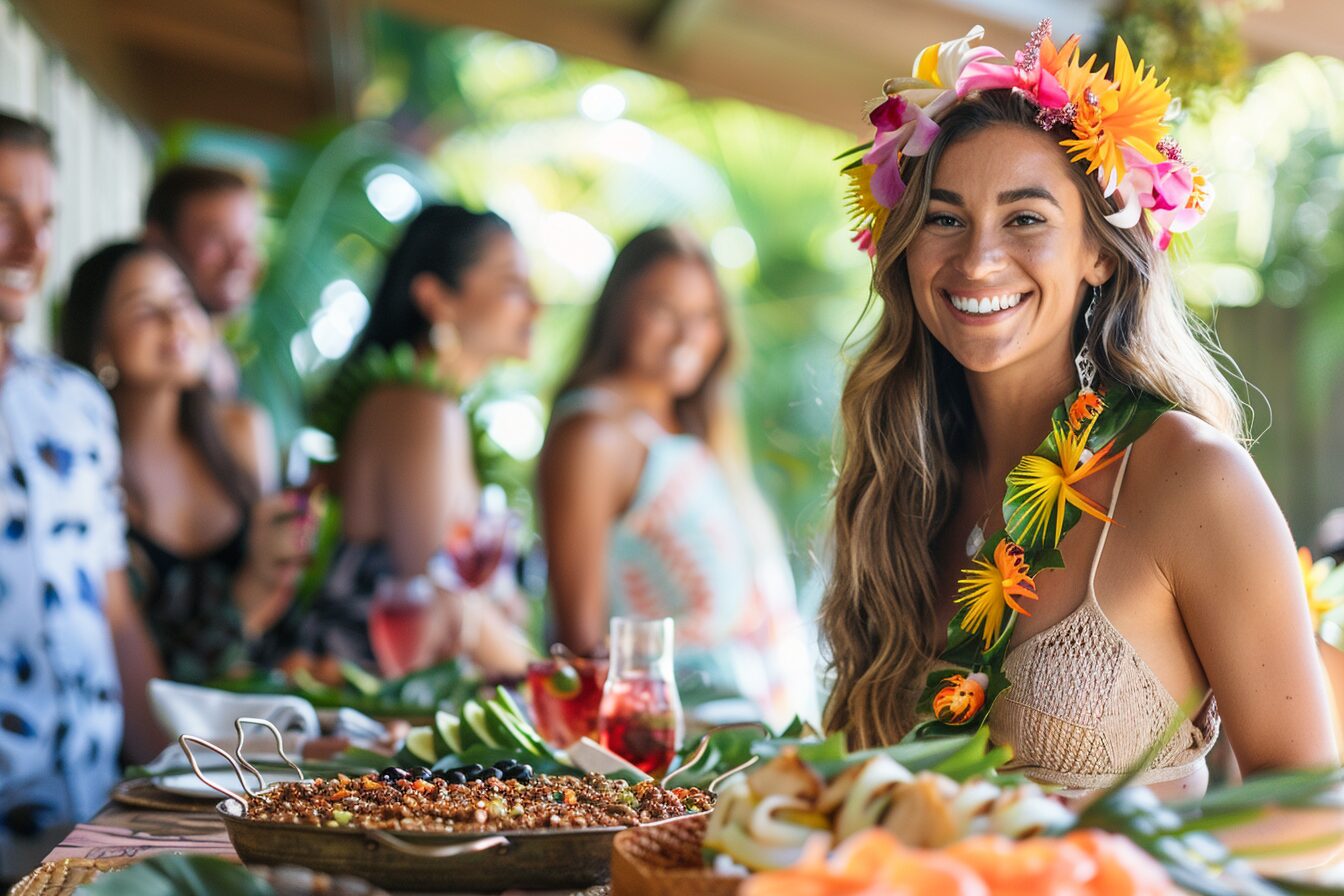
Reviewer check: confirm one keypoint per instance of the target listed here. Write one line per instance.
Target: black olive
(456, 777)
(518, 773)
(488, 773)
(506, 764)
(473, 770)
(420, 773)
(392, 773)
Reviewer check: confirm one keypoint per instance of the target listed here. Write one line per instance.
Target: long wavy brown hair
(907, 419)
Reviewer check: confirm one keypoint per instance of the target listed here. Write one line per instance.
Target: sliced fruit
(420, 743)
(474, 730)
(506, 730)
(361, 680)
(564, 682)
(447, 733)
(506, 701)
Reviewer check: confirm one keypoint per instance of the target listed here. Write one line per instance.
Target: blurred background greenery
(579, 155)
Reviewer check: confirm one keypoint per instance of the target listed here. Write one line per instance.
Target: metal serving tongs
(703, 746)
(236, 760)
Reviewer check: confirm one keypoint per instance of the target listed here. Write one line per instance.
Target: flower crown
(1120, 128)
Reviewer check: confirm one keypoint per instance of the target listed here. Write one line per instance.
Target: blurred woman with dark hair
(213, 562)
(648, 505)
(454, 299)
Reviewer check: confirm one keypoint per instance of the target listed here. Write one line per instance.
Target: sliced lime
(447, 733)
(474, 728)
(564, 682)
(363, 681)
(420, 743)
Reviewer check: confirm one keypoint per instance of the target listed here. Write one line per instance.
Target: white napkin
(210, 714)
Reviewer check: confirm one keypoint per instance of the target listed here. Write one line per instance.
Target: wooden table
(127, 831)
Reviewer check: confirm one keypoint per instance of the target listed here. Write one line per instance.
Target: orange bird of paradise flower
(961, 699)
(988, 589)
(1045, 487)
(1086, 406)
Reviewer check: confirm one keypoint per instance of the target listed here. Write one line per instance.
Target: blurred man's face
(216, 242)
(26, 182)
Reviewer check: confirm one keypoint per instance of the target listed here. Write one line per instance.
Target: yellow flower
(1313, 575)
(1077, 78)
(865, 212)
(990, 588)
(1045, 487)
(1129, 112)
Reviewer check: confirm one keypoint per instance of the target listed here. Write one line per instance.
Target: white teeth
(986, 305)
(16, 278)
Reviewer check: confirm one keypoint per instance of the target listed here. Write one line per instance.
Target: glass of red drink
(640, 718)
(566, 692)
(397, 620)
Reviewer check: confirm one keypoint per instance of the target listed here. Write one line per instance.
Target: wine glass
(397, 619)
(640, 718)
(474, 550)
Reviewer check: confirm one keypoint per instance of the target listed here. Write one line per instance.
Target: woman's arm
(1239, 589)
(137, 662)
(587, 475)
(279, 532)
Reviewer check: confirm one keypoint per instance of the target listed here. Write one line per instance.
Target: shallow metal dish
(433, 861)
(418, 860)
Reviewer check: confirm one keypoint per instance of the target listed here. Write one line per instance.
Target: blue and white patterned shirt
(61, 531)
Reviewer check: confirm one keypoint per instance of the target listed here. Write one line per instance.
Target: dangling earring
(107, 373)
(443, 338)
(1082, 362)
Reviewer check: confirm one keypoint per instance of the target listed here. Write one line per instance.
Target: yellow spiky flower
(991, 589)
(866, 214)
(1129, 112)
(1044, 488)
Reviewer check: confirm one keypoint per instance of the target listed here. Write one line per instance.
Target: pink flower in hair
(1175, 195)
(903, 129)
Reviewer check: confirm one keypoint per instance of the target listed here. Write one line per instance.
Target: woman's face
(676, 325)
(155, 331)
(494, 303)
(1002, 262)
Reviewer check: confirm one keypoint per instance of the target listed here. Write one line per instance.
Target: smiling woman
(1012, 275)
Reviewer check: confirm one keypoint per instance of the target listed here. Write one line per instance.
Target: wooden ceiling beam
(203, 44)
(674, 23)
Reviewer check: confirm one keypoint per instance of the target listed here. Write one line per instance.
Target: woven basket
(665, 860)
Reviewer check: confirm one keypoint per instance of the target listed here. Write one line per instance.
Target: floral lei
(375, 367)
(1089, 431)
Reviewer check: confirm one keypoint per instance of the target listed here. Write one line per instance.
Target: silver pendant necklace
(976, 539)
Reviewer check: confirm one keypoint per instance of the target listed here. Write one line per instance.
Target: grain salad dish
(483, 804)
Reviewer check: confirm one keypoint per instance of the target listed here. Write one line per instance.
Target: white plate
(187, 784)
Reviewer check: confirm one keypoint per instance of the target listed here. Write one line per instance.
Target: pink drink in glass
(640, 721)
(566, 693)
(397, 618)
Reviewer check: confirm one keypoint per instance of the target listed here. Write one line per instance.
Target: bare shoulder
(590, 438)
(407, 416)
(1187, 460)
(1191, 485)
(249, 435)
(590, 453)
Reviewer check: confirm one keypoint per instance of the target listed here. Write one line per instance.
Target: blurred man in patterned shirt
(64, 602)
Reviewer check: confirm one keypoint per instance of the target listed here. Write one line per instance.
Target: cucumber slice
(447, 733)
(420, 744)
(474, 728)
